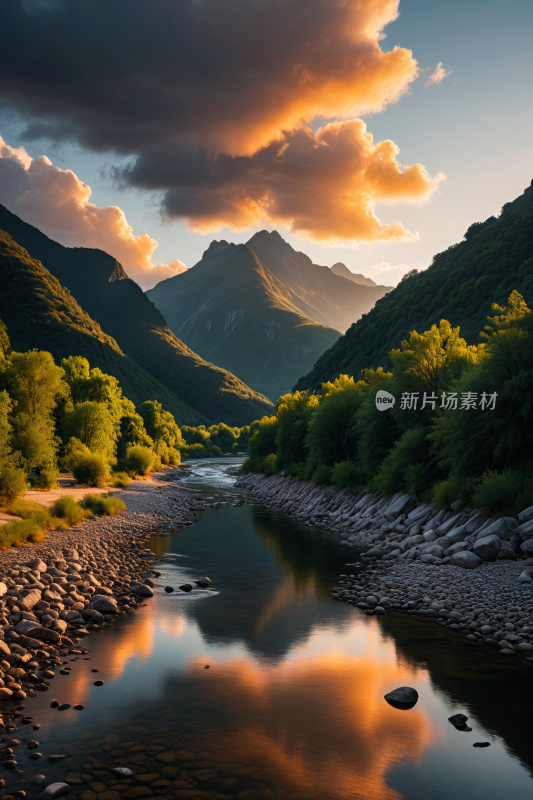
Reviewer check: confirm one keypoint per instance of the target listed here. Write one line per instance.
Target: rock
(5, 693)
(488, 547)
(63, 707)
(3, 589)
(169, 589)
(458, 720)
(4, 648)
(526, 576)
(30, 600)
(98, 683)
(204, 583)
(466, 560)
(403, 505)
(54, 790)
(481, 744)
(92, 615)
(38, 780)
(59, 625)
(37, 564)
(525, 530)
(186, 587)
(79, 707)
(404, 697)
(142, 590)
(503, 528)
(122, 772)
(526, 515)
(527, 547)
(455, 535)
(103, 604)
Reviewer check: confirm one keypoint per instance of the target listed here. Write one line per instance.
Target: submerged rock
(54, 790)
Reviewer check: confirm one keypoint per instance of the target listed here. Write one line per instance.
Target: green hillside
(234, 312)
(41, 314)
(119, 305)
(495, 257)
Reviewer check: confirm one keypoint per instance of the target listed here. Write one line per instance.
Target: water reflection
(292, 703)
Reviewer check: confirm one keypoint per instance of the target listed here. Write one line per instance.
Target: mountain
(231, 310)
(316, 291)
(342, 270)
(41, 314)
(494, 258)
(102, 288)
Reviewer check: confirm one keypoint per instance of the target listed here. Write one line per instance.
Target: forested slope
(42, 314)
(103, 289)
(495, 258)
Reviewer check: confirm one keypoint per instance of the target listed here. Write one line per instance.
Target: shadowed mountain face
(119, 305)
(234, 312)
(316, 291)
(494, 258)
(41, 314)
(342, 270)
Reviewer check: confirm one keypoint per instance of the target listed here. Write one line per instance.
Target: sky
(364, 131)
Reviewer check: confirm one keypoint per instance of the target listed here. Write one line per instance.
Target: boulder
(458, 720)
(502, 527)
(456, 548)
(103, 604)
(404, 697)
(526, 514)
(30, 600)
(142, 590)
(448, 526)
(527, 547)
(92, 615)
(466, 560)
(453, 536)
(488, 547)
(403, 505)
(525, 530)
(204, 582)
(526, 576)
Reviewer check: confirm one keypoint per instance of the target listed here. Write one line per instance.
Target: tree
(331, 435)
(161, 425)
(92, 424)
(293, 412)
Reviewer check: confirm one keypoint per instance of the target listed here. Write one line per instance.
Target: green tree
(293, 412)
(93, 425)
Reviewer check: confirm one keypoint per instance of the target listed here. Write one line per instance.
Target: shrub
(75, 451)
(103, 504)
(12, 483)
(92, 470)
(47, 479)
(26, 509)
(120, 480)
(322, 475)
(68, 509)
(139, 460)
(499, 491)
(156, 463)
(270, 464)
(174, 457)
(344, 474)
(14, 534)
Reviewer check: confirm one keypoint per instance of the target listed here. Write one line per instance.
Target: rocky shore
(461, 568)
(52, 593)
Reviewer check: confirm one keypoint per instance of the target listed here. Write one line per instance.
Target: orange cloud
(57, 202)
(438, 76)
(322, 185)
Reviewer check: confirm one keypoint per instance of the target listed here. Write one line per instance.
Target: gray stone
(103, 604)
(429, 536)
(526, 514)
(142, 590)
(525, 530)
(488, 547)
(54, 790)
(375, 552)
(453, 536)
(403, 505)
(403, 697)
(456, 548)
(527, 547)
(502, 527)
(526, 576)
(122, 772)
(466, 560)
(204, 582)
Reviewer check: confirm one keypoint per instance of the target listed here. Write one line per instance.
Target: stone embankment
(52, 593)
(468, 571)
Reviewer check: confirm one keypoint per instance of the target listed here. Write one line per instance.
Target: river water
(291, 704)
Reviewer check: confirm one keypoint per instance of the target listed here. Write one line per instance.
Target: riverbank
(483, 600)
(53, 592)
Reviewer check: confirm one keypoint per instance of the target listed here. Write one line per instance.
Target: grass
(104, 505)
(64, 513)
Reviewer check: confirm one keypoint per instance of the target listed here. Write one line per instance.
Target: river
(266, 687)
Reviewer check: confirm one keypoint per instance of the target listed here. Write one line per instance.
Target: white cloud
(438, 76)
(58, 203)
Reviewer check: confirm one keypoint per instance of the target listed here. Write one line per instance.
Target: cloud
(320, 185)
(230, 75)
(58, 203)
(438, 76)
(385, 274)
(213, 101)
